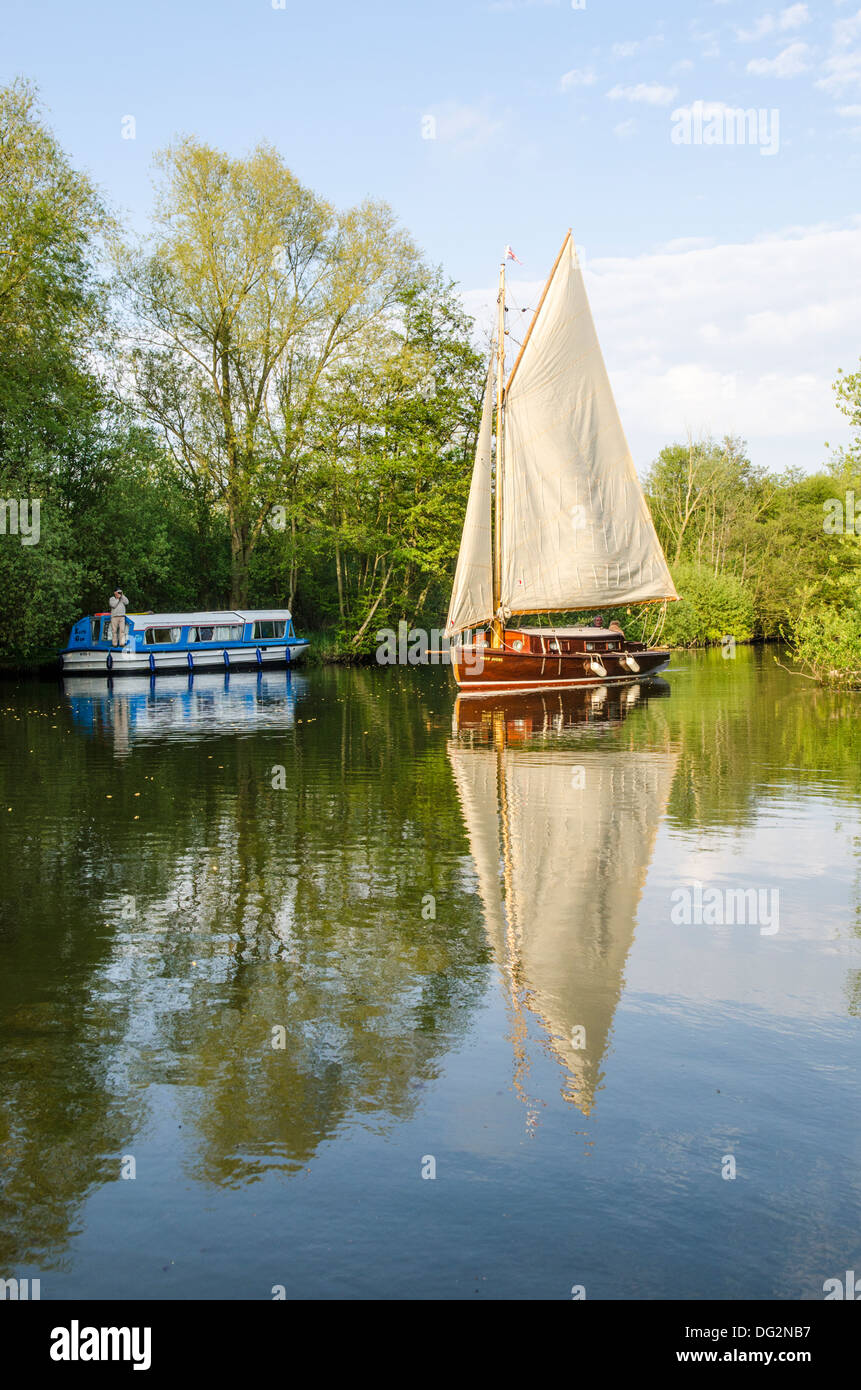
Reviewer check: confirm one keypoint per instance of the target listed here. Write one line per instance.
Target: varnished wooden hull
(504, 669)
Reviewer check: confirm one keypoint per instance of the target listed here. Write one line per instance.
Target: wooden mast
(497, 630)
(537, 311)
(497, 636)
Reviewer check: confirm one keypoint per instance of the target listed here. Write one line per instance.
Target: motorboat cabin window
(268, 628)
(200, 634)
(227, 632)
(101, 628)
(162, 636)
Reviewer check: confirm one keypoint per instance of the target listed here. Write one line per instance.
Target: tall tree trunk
(239, 557)
(292, 593)
(340, 581)
(366, 624)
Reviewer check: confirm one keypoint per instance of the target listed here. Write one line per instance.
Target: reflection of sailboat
(551, 712)
(140, 708)
(561, 838)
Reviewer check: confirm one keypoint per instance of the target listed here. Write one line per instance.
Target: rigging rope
(659, 625)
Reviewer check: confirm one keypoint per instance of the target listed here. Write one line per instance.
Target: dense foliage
(757, 555)
(272, 401)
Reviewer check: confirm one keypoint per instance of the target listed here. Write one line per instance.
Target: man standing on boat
(118, 618)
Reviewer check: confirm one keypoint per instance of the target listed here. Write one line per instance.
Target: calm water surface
(283, 945)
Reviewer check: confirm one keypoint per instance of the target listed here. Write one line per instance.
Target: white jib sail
(576, 529)
(472, 590)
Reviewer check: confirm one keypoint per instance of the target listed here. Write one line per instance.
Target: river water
(321, 984)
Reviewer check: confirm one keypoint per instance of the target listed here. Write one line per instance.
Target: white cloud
(794, 17)
(577, 77)
(686, 243)
(625, 129)
(846, 31)
(849, 111)
(789, 63)
(650, 93)
(465, 127)
(842, 73)
(743, 338)
(791, 18)
(632, 46)
(706, 109)
(842, 69)
(509, 6)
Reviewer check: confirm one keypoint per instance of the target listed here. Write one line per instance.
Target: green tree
(249, 293)
(392, 462)
(52, 317)
(51, 306)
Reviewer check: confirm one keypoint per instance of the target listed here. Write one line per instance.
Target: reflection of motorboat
(139, 708)
(561, 837)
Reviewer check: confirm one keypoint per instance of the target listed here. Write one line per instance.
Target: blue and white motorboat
(154, 642)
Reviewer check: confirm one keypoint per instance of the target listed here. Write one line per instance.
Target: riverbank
(322, 651)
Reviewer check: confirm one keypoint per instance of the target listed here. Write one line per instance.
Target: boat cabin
(561, 641)
(158, 642)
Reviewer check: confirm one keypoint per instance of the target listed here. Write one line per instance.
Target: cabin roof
(569, 631)
(233, 615)
(183, 619)
(262, 615)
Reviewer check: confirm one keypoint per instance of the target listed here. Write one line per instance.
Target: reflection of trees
(312, 921)
(730, 717)
(63, 1121)
(299, 908)
(62, 1129)
(254, 907)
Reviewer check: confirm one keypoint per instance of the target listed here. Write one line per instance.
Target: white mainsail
(472, 591)
(576, 531)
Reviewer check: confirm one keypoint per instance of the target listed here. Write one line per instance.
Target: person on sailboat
(616, 627)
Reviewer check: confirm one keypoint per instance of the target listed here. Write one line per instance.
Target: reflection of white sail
(561, 841)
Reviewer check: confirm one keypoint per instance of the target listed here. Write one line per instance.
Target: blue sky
(724, 280)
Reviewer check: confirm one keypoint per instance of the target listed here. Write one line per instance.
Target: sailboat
(556, 520)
